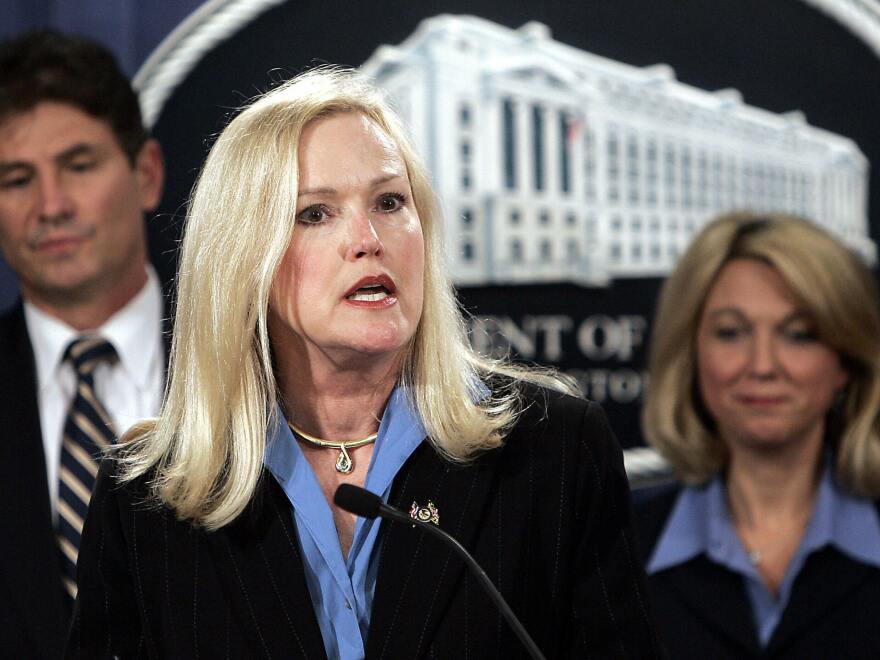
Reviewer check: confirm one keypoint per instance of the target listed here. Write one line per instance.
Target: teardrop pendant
(343, 461)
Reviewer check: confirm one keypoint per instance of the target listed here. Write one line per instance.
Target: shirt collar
(400, 432)
(700, 524)
(135, 332)
(847, 522)
(686, 533)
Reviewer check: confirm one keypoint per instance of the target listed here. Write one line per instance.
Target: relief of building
(554, 164)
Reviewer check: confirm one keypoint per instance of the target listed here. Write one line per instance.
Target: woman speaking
(317, 342)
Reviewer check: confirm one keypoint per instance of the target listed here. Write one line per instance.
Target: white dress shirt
(130, 390)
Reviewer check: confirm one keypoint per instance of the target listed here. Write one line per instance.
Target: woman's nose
(363, 239)
(763, 361)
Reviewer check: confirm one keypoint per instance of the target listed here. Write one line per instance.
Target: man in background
(82, 353)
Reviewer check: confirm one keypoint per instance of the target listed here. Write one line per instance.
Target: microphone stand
(371, 510)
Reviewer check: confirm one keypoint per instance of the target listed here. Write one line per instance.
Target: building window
(538, 146)
(467, 218)
(758, 180)
(613, 153)
(467, 251)
(465, 169)
(651, 160)
(806, 184)
(616, 251)
(717, 177)
(613, 149)
(670, 178)
(591, 229)
(571, 219)
(686, 178)
(780, 185)
(544, 217)
(515, 217)
(747, 182)
(516, 250)
(572, 249)
(565, 130)
(464, 114)
(632, 168)
(702, 180)
(546, 249)
(731, 182)
(633, 196)
(509, 128)
(589, 163)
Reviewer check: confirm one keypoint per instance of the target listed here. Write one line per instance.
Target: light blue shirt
(700, 523)
(342, 590)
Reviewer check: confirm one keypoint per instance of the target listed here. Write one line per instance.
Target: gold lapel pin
(425, 513)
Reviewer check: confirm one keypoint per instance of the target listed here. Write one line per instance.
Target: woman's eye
(313, 215)
(391, 202)
(800, 335)
(728, 333)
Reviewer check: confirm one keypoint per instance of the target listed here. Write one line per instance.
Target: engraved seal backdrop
(576, 147)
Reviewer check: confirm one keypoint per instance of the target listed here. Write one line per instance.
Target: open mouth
(373, 289)
(369, 293)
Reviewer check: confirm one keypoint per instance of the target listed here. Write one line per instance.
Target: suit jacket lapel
(30, 566)
(814, 594)
(259, 565)
(717, 596)
(417, 574)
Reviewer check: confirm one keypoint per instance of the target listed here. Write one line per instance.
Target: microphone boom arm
(392, 513)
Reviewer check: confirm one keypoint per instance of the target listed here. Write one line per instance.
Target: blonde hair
(828, 281)
(204, 453)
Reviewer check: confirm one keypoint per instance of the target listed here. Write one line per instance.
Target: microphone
(365, 504)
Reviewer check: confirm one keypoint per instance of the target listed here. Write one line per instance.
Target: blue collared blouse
(342, 589)
(700, 523)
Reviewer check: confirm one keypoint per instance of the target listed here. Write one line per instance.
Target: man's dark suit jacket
(547, 516)
(34, 619)
(33, 615)
(703, 610)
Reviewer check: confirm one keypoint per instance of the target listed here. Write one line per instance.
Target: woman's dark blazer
(548, 517)
(703, 611)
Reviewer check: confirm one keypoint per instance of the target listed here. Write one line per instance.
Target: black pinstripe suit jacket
(547, 516)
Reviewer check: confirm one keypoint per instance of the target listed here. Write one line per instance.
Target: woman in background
(317, 342)
(764, 397)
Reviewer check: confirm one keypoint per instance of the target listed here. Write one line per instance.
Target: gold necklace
(344, 463)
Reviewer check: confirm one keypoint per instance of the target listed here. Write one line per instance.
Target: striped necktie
(88, 430)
